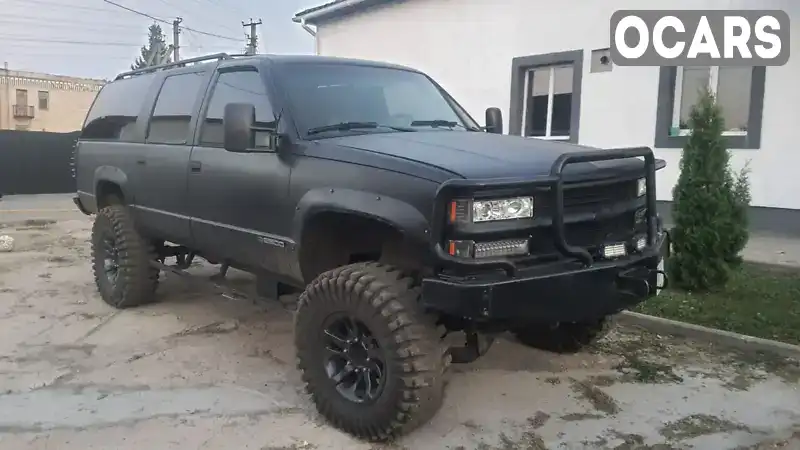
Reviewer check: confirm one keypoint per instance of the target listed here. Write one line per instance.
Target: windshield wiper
(346, 126)
(436, 123)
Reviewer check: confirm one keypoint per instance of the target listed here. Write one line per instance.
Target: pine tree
(156, 47)
(704, 206)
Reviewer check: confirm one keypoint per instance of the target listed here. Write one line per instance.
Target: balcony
(24, 111)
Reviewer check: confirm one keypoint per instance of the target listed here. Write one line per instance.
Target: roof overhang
(335, 10)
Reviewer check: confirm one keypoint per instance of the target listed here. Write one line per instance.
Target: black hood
(482, 155)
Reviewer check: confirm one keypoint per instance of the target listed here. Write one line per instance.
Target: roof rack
(181, 63)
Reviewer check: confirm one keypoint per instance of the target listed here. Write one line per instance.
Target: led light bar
(641, 243)
(617, 250)
(472, 249)
(510, 247)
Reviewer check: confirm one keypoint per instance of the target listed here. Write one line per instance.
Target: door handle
(195, 166)
(141, 161)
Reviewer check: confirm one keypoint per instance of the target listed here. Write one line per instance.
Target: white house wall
(468, 46)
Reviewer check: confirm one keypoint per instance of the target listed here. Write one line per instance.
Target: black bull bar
(453, 189)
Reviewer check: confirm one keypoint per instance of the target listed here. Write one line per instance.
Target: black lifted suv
(367, 187)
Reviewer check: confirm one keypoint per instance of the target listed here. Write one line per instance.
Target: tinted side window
(169, 123)
(244, 86)
(116, 108)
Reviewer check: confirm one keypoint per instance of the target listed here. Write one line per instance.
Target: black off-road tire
(136, 279)
(386, 301)
(564, 337)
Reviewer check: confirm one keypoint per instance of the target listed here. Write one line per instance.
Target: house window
(44, 100)
(549, 102)
(730, 85)
(739, 92)
(545, 95)
(22, 97)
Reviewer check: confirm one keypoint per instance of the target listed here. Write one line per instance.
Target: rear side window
(242, 86)
(172, 114)
(115, 110)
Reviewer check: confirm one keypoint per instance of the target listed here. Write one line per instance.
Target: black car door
(164, 162)
(233, 197)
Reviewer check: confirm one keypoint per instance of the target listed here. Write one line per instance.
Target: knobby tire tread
(418, 353)
(138, 279)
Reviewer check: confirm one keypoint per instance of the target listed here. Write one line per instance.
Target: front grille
(587, 198)
(590, 234)
(594, 195)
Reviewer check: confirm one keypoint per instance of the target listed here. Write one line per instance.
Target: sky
(92, 38)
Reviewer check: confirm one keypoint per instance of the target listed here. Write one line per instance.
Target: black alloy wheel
(354, 360)
(111, 259)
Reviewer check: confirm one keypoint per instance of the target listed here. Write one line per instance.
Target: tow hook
(635, 282)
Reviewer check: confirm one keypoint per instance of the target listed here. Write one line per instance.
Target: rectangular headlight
(502, 209)
(641, 187)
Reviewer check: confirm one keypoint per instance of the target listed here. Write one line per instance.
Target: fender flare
(113, 175)
(391, 211)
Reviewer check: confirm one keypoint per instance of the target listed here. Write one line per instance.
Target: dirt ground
(203, 370)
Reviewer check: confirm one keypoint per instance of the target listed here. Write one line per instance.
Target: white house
(545, 64)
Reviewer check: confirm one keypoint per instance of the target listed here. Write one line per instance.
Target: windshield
(336, 99)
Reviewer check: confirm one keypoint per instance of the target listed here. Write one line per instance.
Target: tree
(737, 233)
(709, 205)
(155, 52)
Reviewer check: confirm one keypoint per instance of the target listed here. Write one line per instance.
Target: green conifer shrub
(709, 205)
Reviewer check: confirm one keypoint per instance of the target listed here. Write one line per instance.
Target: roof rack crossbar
(181, 63)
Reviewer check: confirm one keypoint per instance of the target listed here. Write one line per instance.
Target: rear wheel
(122, 259)
(372, 362)
(566, 337)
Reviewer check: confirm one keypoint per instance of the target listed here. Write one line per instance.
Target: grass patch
(759, 300)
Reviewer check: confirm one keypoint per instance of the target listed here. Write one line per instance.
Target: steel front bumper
(577, 287)
(558, 292)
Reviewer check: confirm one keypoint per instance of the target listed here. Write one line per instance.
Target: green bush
(736, 234)
(709, 205)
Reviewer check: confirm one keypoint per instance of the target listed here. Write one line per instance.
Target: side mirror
(494, 120)
(237, 122)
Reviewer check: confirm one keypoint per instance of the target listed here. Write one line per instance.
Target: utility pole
(252, 38)
(176, 33)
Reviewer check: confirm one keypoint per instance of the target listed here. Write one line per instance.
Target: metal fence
(35, 162)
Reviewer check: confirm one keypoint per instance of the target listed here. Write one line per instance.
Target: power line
(71, 24)
(226, 7)
(137, 12)
(169, 23)
(59, 41)
(181, 10)
(62, 5)
(66, 55)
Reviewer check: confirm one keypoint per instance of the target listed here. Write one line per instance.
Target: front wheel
(567, 337)
(372, 362)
